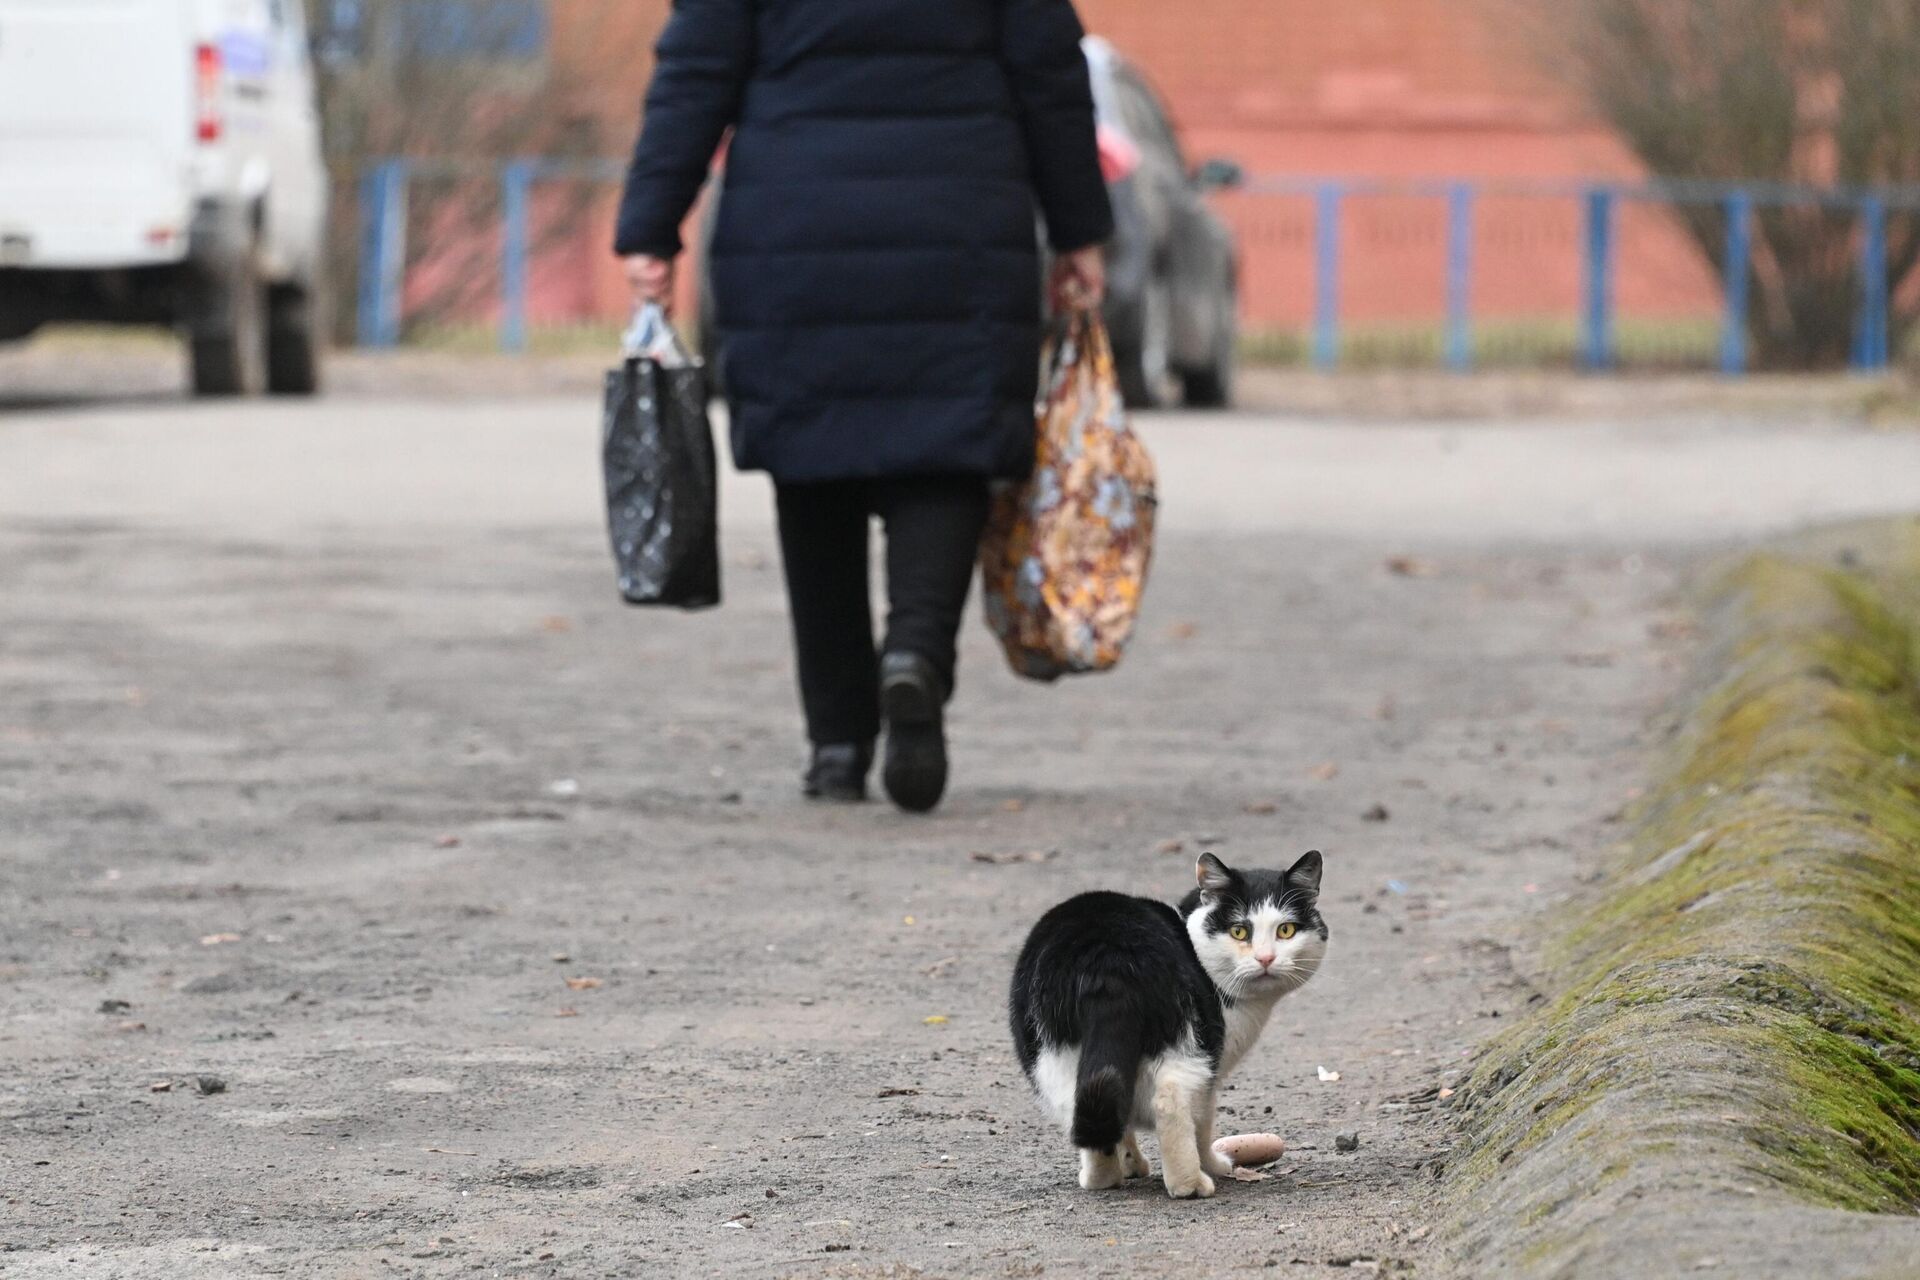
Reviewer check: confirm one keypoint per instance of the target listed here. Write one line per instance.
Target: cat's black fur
(1118, 976)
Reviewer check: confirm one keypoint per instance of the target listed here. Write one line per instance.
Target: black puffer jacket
(874, 262)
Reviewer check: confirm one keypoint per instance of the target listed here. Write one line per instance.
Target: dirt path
(336, 797)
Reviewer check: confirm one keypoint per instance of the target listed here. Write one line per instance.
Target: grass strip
(1738, 999)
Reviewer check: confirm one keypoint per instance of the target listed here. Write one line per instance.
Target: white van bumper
(52, 218)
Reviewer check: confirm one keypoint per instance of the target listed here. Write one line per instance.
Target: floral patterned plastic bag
(1065, 556)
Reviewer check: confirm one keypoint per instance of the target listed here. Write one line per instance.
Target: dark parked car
(1172, 269)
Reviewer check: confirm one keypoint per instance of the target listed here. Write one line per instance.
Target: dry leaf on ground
(1005, 859)
(1409, 567)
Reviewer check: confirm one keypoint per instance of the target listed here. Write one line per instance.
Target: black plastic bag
(663, 502)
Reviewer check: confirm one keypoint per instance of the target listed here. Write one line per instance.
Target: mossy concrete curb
(1727, 1074)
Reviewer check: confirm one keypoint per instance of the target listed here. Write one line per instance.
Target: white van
(160, 164)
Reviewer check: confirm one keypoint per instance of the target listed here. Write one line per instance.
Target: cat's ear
(1214, 875)
(1306, 873)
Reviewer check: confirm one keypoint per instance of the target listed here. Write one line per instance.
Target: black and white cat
(1127, 1014)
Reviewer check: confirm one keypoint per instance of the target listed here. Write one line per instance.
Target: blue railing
(383, 211)
(1872, 349)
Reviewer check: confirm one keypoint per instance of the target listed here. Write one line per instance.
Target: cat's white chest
(1245, 1021)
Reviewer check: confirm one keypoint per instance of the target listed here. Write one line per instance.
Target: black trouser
(933, 529)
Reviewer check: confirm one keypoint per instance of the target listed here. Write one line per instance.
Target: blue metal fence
(383, 252)
(1460, 200)
(383, 237)
(1602, 204)
(383, 203)
(1872, 344)
(1600, 273)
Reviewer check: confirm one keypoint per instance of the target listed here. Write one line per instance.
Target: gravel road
(331, 771)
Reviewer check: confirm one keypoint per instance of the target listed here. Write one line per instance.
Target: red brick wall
(1396, 89)
(1334, 88)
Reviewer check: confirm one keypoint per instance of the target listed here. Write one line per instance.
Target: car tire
(1144, 359)
(293, 341)
(228, 344)
(1212, 387)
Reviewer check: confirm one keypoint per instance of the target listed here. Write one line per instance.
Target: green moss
(1738, 1003)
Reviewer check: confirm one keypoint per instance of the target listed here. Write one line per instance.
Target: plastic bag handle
(1076, 329)
(652, 335)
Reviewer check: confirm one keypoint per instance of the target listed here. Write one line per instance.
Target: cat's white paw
(1135, 1164)
(1200, 1188)
(1100, 1170)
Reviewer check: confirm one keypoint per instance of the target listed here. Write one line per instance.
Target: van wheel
(229, 339)
(293, 341)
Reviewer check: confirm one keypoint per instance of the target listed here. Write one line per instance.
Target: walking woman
(876, 278)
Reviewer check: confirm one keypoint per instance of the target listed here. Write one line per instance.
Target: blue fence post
(1733, 330)
(1460, 277)
(1872, 344)
(1599, 279)
(1882, 289)
(383, 252)
(367, 304)
(1326, 289)
(516, 186)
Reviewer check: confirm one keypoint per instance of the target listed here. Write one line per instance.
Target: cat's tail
(1109, 1066)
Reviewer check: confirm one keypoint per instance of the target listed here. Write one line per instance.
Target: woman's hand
(1079, 279)
(651, 280)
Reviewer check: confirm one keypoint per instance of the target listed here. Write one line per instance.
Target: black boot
(912, 700)
(838, 772)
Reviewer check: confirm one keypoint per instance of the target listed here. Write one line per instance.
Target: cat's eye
(1286, 931)
(1240, 933)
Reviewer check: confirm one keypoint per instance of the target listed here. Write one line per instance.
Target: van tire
(228, 343)
(293, 341)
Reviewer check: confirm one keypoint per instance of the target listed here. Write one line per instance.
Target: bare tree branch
(1824, 92)
(458, 87)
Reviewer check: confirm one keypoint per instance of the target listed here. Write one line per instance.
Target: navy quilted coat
(875, 265)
